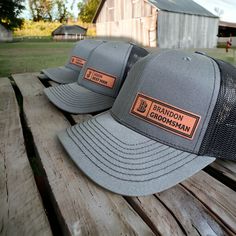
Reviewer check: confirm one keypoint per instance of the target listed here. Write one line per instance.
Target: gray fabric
(181, 6)
(70, 72)
(75, 99)
(42, 76)
(184, 80)
(110, 58)
(62, 74)
(83, 49)
(124, 161)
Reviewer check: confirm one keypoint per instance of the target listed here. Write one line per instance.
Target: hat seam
(127, 174)
(152, 137)
(203, 123)
(111, 156)
(146, 143)
(60, 96)
(84, 68)
(136, 86)
(121, 72)
(124, 148)
(123, 69)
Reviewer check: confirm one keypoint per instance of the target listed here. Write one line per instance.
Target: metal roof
(181, 6)
(69, 29)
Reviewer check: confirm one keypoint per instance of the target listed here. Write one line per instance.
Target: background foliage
(9, 13)
(87, 10)
(45, 28)
(49, 10)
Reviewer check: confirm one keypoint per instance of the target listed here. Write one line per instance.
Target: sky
(228, 8)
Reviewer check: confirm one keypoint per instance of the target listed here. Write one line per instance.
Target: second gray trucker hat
(174, 115)
(100, 79)
(78, 57)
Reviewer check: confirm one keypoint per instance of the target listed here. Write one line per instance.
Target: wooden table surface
(42, 192)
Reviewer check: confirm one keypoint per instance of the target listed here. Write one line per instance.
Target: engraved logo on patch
(100, 78)
(165, 116)
(77, 61)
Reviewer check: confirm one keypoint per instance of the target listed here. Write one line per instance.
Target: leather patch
(165, 116)
(77, 61)
(100, 78)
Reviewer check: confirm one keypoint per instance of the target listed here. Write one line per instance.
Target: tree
(88, 9)
(41, 9)
(49, 10)
(62, 13)
(9, 13)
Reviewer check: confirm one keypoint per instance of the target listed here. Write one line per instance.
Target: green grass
(34, 55)
(20, 57)
(220, 53)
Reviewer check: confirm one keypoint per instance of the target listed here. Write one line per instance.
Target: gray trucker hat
(78, 57)
(100, 79)
(174, 115)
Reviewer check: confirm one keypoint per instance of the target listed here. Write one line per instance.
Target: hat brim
(42, 76)
(76, 99)
(62, 75)
(125, 162)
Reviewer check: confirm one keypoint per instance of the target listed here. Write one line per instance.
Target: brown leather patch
(100, 78)
(165, 116)
(77, 61)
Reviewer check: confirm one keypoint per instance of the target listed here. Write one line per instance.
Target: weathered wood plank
(194, 217)
(81, 205)
(157, 215)
(21, 209)
(177, 212)
(218, 198)
(226, 168)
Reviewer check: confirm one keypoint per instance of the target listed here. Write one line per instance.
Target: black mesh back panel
(220, 138)
(135, 54)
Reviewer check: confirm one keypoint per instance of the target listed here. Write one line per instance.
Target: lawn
(20, 57)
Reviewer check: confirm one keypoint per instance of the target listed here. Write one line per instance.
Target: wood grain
(21, 209)
(157, 215)
(192, 215)
(226, 168)
(81, 205)
(218, 198)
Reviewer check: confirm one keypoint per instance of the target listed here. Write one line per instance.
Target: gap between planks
(21, 211)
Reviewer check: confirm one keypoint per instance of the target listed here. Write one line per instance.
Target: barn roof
(179, 6)
(69, 29)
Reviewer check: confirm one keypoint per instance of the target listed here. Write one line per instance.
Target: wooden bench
(42, 192)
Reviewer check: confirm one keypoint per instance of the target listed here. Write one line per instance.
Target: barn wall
(186, 31)
(133, 19)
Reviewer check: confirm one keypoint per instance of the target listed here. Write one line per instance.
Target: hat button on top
(187, 58)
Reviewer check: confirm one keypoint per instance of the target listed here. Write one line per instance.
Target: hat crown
(81, 52)
(107, 67)
(169, 97)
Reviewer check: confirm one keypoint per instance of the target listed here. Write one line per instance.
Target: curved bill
(62, 75)
(75, 99)
(125, 162)
(42, 76)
